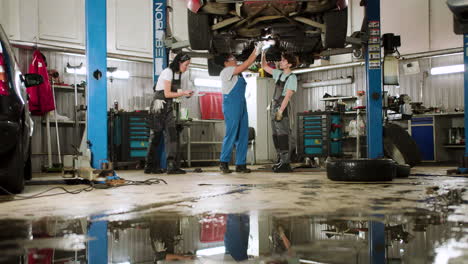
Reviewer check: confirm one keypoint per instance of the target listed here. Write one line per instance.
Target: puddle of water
(429, 235)
(421, 237)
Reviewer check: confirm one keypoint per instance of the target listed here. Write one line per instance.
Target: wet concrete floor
(256, 218)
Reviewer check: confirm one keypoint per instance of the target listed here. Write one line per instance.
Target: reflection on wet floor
(426, 236)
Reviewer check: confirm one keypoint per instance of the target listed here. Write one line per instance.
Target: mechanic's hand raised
(258, 48)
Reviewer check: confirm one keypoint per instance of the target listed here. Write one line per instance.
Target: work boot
(148, 170)
(173, 169)
(157, 171)
(283, 167)
(242, 169)
(224, 167)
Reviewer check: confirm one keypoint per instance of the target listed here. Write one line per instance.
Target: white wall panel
(410, 19)
(9, 17)
(133, 26)
(442, 36)
(61, 21)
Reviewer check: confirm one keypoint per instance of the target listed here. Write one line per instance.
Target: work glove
(278, 116)
(157, 106)
(258, 48)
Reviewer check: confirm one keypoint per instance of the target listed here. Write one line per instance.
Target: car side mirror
(32, 79)
(459, 9)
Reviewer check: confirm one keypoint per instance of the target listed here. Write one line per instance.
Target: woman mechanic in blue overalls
(167, 88)
(235, 110)
(285, 86)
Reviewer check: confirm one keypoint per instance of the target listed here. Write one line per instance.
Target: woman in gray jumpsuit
(167, 88)
(285, 87)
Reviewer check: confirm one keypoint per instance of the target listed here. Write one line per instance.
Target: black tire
(400, 146)
(402, 171)
(199, 31)
(28, 165)
(336, 23)
(361, 170)
(13, 180)
(213, 68)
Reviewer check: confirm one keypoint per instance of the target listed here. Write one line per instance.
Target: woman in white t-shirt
(167, 88)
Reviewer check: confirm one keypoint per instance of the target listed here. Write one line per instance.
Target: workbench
(430, 131)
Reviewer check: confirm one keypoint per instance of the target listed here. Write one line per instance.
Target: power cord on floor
(92, 186)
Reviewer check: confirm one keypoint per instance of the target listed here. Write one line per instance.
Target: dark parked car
(304, 27)
(16, 125)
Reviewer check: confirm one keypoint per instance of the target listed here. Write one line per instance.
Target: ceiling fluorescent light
(116, 74)
(80, 71)
(207, 82)
(340, 81)
(211, 251)
(448, 69)
(119, 74)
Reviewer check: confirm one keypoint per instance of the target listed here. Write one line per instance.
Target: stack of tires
(400, 149)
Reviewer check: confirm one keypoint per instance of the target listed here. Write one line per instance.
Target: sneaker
(283, 167)
(224, 167)
(242, 169)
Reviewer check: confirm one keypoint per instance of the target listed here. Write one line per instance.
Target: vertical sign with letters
(159, 33)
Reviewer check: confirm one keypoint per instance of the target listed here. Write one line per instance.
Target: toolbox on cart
(129, 136)
(319, 134)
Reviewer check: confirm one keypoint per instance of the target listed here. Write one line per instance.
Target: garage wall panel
(133, 26)
(410, 19)
(9, 17)
(442, 36)
(61, 21)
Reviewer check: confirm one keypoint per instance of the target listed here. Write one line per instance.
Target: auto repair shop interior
(225, 131)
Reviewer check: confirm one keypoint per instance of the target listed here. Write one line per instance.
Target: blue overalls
(237, 123)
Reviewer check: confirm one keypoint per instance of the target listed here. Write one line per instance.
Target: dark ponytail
(180, 58)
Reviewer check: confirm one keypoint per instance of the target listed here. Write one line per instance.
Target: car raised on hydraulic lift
(304, 27)
(16, 126)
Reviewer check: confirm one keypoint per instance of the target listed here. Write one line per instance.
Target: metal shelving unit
(189, 142)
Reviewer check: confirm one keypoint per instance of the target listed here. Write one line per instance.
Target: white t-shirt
(166, 75)
(228, 80)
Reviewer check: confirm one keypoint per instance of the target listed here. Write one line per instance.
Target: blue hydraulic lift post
(374, 82)
(159, 25)
(97, 246)
(374, 116)
(159, 56)
(96, 60)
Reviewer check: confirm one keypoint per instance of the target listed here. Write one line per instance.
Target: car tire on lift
(28, 165)
(213, 68)
(199, 30)
(361, 170)
(402, 170)
(336, 24)
(400, 146)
